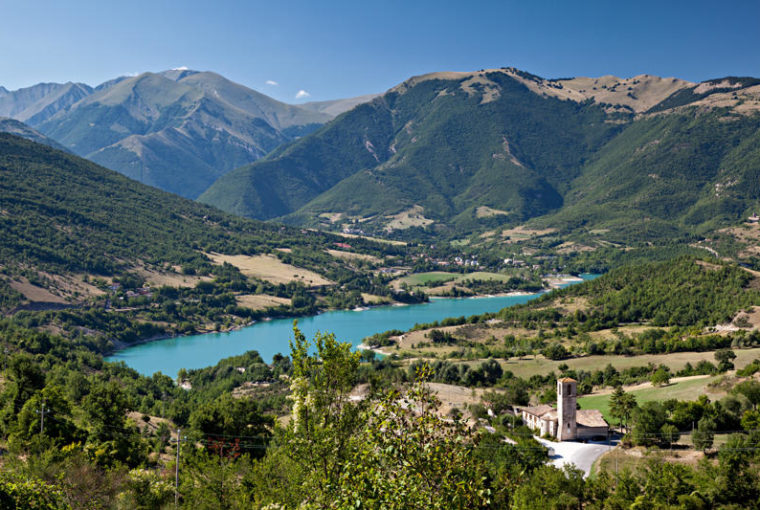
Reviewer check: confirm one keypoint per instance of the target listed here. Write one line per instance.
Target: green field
(689, 389)
(418, 279)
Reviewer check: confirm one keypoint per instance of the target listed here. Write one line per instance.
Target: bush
(555, 351)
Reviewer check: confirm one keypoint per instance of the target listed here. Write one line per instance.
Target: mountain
(337, 106)
(463, 152)
(34, 105)
(178, 130)
(68, 223)
(18, 128)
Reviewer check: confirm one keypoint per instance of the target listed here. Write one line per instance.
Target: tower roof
(567, 379)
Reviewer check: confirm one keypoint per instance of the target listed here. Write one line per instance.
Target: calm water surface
(271, 337)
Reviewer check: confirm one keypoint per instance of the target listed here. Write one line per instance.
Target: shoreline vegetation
(553, 283)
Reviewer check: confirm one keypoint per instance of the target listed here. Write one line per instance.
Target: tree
(555, 351)
(725, 359)
(321, 435)
(228, 418)
(661, 377)
(492, 371)
(30, 494)
(703, 436)
(25, 378)
(59, 429)
(550, 487)
(622, 405)
(648, 420)
(751, 420)
(410, 458)
(670, 434)
(751, 390)
(111, 438)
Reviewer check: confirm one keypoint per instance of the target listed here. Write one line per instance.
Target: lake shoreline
(119, 345)
(269, 336)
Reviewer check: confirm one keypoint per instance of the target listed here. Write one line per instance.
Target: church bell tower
(567, 395)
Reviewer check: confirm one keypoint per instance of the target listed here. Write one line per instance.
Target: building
(565, 422)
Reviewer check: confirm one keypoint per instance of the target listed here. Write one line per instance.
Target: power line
(176, 471)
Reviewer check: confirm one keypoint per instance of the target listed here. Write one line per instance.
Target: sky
(305, 50)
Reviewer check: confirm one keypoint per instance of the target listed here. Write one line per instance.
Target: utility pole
(42, 418)
(176, 473)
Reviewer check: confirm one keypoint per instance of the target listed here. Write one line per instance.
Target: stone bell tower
(567, 395)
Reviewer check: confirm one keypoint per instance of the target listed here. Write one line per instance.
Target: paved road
(582, 455)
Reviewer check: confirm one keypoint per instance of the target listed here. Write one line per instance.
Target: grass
(271, 269)
(526, 367)
(261, 301)
(348, 255)
(689, 389)
(419, 279)
(618, 460)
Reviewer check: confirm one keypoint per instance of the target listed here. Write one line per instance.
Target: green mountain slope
(66, 220)
(445, 145)
(690, 171)
(639, 158)
(178, 130)
(288, 179)
(685, 291)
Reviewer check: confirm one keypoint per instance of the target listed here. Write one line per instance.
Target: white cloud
(302, 94)
(181, 68)
(272, 83)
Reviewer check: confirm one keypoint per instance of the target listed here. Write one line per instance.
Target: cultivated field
(348, 255)
(420, 279)
(159, 279)
(412, 217)
(270, 268)
(261, 301)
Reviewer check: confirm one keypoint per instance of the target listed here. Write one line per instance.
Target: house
(565, 422)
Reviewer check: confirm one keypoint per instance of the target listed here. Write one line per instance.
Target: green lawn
(684, 390)
(423, 278)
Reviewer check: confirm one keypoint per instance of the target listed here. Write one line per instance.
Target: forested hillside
(446, 145)
(627, 160)
(72, 228)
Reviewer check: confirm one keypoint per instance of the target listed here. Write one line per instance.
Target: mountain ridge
(177, 129)
(438, 151)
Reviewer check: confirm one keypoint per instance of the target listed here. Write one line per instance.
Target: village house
(565, 422)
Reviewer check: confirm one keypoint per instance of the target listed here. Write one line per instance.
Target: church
(566, 422)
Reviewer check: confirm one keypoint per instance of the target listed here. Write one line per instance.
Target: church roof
(539, 410)
(590, 418)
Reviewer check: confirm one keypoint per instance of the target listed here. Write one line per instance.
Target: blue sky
(332, 49)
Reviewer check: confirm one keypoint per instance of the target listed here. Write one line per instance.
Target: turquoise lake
(271, 337)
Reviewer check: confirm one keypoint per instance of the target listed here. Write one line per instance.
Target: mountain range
(447, 153)
(463, 152)
(177, 130)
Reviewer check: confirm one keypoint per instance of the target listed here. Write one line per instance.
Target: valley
(434, 258)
